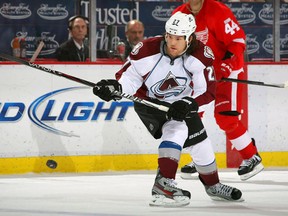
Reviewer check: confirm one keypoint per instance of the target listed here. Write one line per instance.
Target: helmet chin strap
(188, 43)
(187, 46)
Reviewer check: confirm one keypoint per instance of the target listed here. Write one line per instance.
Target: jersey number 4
(230, 26)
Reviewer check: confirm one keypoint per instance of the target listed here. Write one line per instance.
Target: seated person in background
(134, 31)
(75, 49)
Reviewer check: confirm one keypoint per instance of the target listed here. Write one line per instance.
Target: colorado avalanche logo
(170, 86)
(208, 53)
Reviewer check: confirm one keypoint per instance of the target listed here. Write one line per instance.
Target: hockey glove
(227, 66)
(105, 89)
(179, 110)
(225, 70)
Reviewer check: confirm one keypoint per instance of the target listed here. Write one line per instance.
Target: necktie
(81, 54)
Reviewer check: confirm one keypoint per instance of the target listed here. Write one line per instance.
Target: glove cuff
(188, 100)
(192, 103)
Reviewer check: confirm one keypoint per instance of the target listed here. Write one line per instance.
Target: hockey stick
(281, 85)
(37, 51)
(82, 81)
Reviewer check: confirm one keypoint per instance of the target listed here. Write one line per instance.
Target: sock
(249, 151)
(168, 167)
(209, 179)
(242, 141)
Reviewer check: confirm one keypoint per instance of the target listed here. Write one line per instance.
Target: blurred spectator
(134, 32)
(74, 49)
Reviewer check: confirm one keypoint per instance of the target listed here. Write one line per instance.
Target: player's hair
(194, 44)
(72, 19)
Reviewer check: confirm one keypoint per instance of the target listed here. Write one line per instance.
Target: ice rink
(128, 193)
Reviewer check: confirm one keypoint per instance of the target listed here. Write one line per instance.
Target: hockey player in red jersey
(218, 28)
(175, 71)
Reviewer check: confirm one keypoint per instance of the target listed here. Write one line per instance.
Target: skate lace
(249, 161)
(171, 183)
(223, 189)
(245, 163)
(191, 164)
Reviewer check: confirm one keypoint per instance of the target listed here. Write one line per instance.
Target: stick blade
(282, 85)
(37, 51)
(277, 85)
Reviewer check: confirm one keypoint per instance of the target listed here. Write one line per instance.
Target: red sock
(248, 151)
(209, 179)
(168, 167)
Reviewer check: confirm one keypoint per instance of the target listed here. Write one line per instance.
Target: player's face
(176, 45)
(195, 5)
(79, 30)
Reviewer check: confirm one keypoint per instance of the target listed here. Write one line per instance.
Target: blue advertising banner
(116, 14)
(35, 20)
(257, 21)
(255, 18)
(46, 20)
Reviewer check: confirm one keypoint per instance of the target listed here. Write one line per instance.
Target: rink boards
(44, 116)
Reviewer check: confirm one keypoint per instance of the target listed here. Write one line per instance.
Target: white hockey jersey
(150, 73)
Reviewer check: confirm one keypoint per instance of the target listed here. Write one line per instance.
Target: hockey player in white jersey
(176, 71)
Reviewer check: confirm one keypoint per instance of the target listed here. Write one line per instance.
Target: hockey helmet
(181, 24)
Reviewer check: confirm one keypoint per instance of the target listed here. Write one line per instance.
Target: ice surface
(129, 193)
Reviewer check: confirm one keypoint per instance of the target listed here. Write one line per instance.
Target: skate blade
(254, 172)
(162, 201)
(216, 198)
(189, 176)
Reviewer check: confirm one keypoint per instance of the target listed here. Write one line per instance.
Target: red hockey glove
(225, 69)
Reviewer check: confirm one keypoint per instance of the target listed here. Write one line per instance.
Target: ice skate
(189, 171)
(166, 194)
(250, 167)
(221, 192)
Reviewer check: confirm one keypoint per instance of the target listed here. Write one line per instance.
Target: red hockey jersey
(218, 28)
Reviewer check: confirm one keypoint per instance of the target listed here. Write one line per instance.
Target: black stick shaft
(82, 81)
(252, 82)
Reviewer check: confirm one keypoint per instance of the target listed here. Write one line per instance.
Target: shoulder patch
(137, 48)
(208, 53)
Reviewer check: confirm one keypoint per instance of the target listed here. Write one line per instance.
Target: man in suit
(134, 32)
(75, 49)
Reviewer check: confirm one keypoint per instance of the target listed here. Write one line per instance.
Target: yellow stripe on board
(102, 163)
